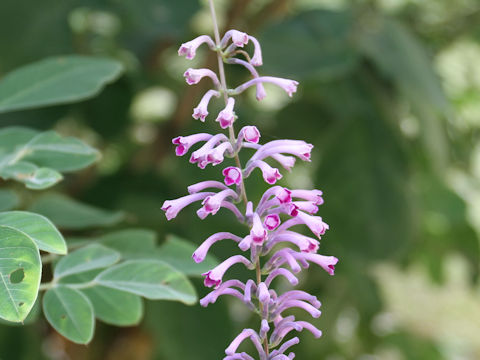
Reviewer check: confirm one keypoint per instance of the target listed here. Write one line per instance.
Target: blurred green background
(389, 95)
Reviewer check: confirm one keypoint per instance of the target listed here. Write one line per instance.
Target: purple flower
(195, 188)
(201, 252)
(289, 86)
(226, 117)
(270, 174)
(258, 232)
(193, 76)
(201, 112)
(239, 38)
(189, 48)
(272, 221)
(275, 249)
(173, 207)
(250, 134)
(257, 55)
(211, 204)
(233, 175)
(214, 276)
(185, 142)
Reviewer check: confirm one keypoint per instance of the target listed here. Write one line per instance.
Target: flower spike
(275, 250)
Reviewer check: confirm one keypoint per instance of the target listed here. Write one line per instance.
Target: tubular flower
(269, 222)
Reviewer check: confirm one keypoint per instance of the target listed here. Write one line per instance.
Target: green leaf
(33, 177)
(38, 228)
(70, 214)
(115, 307)
(178, 253)
(8, 200)
(14, 136)
(70, 313)
(130, 242)
(322, 40)
(400, 56)
(49, 149)
(20, 274)
(56, 80)
(149, 278)
(91, 257)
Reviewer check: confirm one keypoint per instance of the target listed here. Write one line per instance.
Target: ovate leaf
(130, 242)
(14, 136)
(8, 200)
(56, 80)
(71, 214)
(38, 228)
(178, 253)
(85, 259)
(32, 176)
(115, 307)
(149, 278)
(20, 274)
(70, 313)
(49, 149)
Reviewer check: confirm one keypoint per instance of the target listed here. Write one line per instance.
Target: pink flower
(192, 189)
(289, 86)
(200, 112)
(304, 243)
(247, 333)
(298, 148)
(201, 252)
(239, 38)
(326, 262)
(283, 195)
(193, 76)
(173, 207)
(257, 55)
(272, 221)
(185, 142)
(310, 195)
(189, 48)
(270, 175)
(226, 117)
(250, 134)
(214, 276)
(233, 175)
(211, 204)
(258, 232)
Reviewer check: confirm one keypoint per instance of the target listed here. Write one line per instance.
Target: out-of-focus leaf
(115, 307)
(14, 136)
(20, 274)
(8, 200)
(365, 168)
(32, 176)
(445, 228)
(38, 228)
(49, 149)
(70, 214)
(178, 253)
(149, 278)
(401, 57)
(56, 81)
(130, 242)
(91, 257)
(70, 313)
(313, 44)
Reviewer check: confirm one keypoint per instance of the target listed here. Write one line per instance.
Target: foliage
(389, 97)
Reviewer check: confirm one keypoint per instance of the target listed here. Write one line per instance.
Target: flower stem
(231, 133)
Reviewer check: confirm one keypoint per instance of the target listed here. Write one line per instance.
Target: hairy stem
(231, 133)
